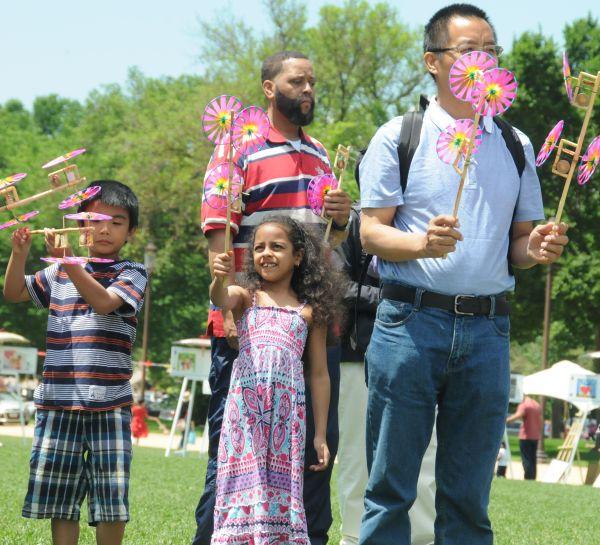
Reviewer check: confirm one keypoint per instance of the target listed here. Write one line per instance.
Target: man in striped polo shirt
(275, 181)
(82, 439)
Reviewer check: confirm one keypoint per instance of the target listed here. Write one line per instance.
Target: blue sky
(69, 47)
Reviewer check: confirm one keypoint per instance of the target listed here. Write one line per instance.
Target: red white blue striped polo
(275, 181)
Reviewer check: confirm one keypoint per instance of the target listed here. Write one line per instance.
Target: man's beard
(291, 108)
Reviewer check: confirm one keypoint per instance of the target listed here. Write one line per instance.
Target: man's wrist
(336, 227)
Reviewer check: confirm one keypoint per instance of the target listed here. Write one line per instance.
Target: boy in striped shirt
(82, 440)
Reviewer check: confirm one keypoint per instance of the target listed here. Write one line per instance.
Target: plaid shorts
(75, 453)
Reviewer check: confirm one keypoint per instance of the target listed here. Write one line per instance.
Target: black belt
(461, 305)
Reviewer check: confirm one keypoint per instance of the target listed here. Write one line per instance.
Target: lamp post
(149, 263)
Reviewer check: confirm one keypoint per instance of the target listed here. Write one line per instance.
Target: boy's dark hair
(272, 65)
(436, 29)
(314, 281)
(115, 193)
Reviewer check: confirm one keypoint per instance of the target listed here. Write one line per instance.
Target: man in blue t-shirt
(441, 336)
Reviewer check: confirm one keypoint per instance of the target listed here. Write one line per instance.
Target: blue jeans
(317, 502)
(419, 357)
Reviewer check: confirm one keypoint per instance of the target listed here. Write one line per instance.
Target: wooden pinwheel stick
(64, 230)
(22, 202)
(229, 183)
(465, 168)
(565, 144)
(341, 163)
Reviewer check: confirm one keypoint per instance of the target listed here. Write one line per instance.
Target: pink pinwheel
(567, 76)
(454, 140)
(216, 185)
(64, 158)
(589, 162)
(317, 188)
(549, 143)
(76, 260)
(467, 70)
(216, 119)
(496, 91)
(9, 181)
(250, 129)
(19, 219)
(88, 216)
(79, 197)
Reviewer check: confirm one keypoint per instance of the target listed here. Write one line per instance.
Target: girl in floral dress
(284, 309)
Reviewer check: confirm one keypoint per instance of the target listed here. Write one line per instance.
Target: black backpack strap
(515, 147)
(410, 135)
(513, 143)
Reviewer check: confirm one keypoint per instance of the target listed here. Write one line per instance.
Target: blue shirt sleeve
(379, 169)
(529, 203)
(39, 285)
(130, 285)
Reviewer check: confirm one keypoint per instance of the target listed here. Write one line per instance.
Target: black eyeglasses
(494, 50)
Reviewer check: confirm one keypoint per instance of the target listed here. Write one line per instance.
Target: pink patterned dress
(261, 450)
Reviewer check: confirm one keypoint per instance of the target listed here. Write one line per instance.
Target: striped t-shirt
(275, 182)
(88, 355)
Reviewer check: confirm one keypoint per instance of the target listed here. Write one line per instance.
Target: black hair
(436, 29)
(272, 65)
(314, 281)
(114, 193)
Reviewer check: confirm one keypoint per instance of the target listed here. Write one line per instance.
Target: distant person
(529, 412)
(502, 461)
(283, 312)
(139, 427)
(82, 436)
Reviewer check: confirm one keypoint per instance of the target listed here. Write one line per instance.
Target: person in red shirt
(139, 427)
(275, 181)
(530, 412)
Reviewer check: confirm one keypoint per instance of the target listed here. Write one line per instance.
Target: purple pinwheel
(589, 162)
(79, 197)
(216, 119)
(216, 185)
(250, 129)
(19, 219)
(467, 70)
(317, 188)
(496, 91)
(454, 140)
(9, 181)
(64, 158)
(88, 216)
(549, 143)
(567, 76)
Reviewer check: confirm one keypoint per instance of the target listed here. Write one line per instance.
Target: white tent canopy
(6, 337)
(557, 382)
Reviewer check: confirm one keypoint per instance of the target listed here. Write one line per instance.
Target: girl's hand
(21, 241)
(322, 454)
(222, 265)
(53, 250)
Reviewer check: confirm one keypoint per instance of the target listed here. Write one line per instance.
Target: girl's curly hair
(315, 281)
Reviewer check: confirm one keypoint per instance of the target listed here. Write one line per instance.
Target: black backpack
(410, 135)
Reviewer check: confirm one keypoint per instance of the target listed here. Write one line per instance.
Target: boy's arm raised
(15, 290)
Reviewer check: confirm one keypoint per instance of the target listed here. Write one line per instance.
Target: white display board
(20, 360)
(585, 388)
(191, 362)
(516, 388)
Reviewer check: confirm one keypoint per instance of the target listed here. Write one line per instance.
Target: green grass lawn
(164, 493)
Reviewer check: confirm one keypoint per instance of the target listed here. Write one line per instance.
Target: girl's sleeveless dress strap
(299, 308)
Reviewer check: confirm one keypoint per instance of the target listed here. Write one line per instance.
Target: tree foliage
(368, 65)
